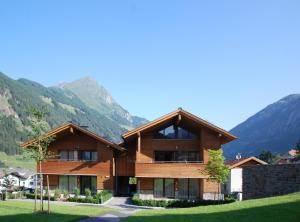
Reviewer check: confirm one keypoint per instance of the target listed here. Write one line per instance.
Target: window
(88, 156)
(193, 188)
(74, 155)
(176, 156)
(68, 183)
(89, 182)
(174, 132)
(169, 188)
(164, 156)
(63, 155)
(188, 188)
(158, 187)
(183, 191)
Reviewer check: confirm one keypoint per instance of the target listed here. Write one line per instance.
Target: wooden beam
(139, 142)
(178, 120)
(71, 130)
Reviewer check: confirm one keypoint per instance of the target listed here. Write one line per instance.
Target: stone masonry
(270, 180)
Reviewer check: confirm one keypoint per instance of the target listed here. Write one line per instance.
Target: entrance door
(122, 186)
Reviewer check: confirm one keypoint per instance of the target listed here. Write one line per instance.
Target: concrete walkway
(123, 209)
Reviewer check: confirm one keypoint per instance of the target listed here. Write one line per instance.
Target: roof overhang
(71, 127)
(180, 113)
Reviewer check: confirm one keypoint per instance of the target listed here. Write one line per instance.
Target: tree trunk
(48, 194)
(219, 192)
(35, 189)
(41, 187)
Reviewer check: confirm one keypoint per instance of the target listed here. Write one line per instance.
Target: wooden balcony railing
(170, 169)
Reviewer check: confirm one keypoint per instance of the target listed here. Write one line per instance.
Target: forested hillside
(61, 104)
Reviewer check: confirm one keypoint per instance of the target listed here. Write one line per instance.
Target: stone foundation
(146, 194)
(212, 196)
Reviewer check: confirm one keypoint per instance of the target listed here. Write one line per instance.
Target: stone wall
(270, 180)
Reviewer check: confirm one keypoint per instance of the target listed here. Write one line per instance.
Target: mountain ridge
(17, 96)
(275, 128)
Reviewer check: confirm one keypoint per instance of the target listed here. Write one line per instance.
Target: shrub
(87, 192)
(56, 194)
(178, 203)
(96, 199)
(66, 194)
(105, 195)
(32, 196)
(15, 195)
(76, 192)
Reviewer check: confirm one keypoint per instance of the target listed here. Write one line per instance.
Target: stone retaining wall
(270, 180)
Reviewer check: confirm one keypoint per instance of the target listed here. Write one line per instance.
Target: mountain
(62, 105)
(98, 98)
(275, 128)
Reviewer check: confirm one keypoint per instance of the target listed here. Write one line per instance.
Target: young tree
(38, 148)
(216, 169)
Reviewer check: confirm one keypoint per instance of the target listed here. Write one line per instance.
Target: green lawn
(17, 211)
(283, 208)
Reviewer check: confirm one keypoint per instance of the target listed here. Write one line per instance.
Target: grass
(281, 208)
(20, 211)
(16, 161)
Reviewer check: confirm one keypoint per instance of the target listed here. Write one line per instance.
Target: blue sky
(222, 60)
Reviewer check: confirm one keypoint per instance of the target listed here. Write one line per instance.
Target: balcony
(75, 167)
(172, 169)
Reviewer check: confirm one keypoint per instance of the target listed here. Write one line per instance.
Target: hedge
(99, 198)
(178, 203)
(32, 196)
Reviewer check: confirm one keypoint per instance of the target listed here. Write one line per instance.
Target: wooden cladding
(170, 170)
(76, 168)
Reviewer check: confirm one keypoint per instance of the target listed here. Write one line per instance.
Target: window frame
(156, 133)
(77, 155)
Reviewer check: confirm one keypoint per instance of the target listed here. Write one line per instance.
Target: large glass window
(158, 187)
(193, 188)
(169, 188)
(68, 183)
(177, 156)
(174, 132)
(183, 188)
(89, 182)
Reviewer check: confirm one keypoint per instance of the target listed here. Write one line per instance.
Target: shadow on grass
(32, 217)
(287, 212)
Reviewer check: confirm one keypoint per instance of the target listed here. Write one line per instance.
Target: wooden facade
(138, 157)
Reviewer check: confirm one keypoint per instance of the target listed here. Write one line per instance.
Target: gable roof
(81, 129)
(184, 113)
(236, 163)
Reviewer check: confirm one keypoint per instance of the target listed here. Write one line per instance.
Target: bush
(76, 192)
(96, 199)
(178, 203)
(32, 196)
(105, 195)
(15, 195)
(66, 194)
(87, 192)
(56, 194)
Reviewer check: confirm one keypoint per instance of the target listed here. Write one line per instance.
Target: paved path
(123, 209)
